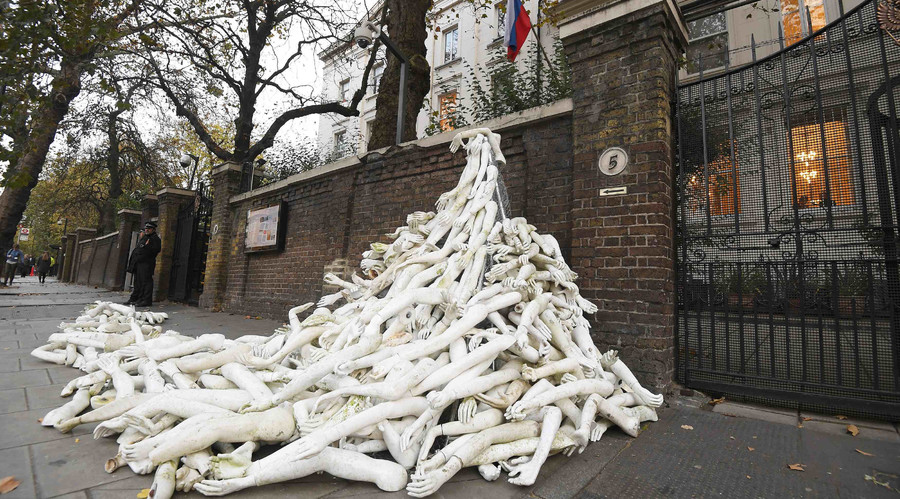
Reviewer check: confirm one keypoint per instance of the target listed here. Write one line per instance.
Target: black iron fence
(788, 205)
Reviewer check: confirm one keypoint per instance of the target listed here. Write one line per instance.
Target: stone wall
(334, 215)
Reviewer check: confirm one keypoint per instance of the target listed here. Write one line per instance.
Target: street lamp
(185, 161)
(61, 221)
(364, 35)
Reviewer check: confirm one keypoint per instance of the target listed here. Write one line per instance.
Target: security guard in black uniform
(141, 264)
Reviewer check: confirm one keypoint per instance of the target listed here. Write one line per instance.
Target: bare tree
(239, 60)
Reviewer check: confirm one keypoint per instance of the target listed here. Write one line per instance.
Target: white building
(464, 36)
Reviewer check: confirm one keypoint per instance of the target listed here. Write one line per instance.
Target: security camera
(365, 33)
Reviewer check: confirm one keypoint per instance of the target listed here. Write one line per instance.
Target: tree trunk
(406, 26)
(108, 208)
(53, 108)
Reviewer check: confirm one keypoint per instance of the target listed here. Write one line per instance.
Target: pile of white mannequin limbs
(465, 345)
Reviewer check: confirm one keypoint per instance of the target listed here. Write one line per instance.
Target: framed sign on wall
(266, 228)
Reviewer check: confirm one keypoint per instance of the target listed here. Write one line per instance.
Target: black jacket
(42, 265)
(145, 252)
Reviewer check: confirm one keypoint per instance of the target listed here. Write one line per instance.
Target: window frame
(376, 78)
(500, 19)
(447, 31)
(805, 28)
(444, 119)
(726, 31)
(344, 89)
(338, 141)
(831, 115)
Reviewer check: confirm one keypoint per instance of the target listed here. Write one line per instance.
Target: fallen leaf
(853, 430)
(807, 419)
(77, 440)
(8, 484)
(841, 417)
(751, 449)
(754, 437)
(143, 494)
(800, 425)
(748, 477)
(797, 467)
(864, 453)
(717, 401)
(40, 420)
(731, 438)
(687, 427)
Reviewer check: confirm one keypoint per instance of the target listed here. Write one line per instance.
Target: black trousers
(143, 284)
(42, 276)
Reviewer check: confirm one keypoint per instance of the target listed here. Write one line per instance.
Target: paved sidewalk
(714, 458)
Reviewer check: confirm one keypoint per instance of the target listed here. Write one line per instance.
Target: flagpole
(538, 39)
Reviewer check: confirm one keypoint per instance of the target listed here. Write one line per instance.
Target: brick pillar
(623, 59)
(60, 256)
(226, 182)
(171, 199)
(128, 223)
(65, 272)
(81, 234)
(149, 209)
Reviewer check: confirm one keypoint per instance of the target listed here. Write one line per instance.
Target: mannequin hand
(466, 410)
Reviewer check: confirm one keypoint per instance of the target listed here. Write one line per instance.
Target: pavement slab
(21, 379)
(73, 463)
(16, 462)
(12, 401)
(23, 428)
(45, 397)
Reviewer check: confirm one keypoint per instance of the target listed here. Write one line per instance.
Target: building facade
(461, 36)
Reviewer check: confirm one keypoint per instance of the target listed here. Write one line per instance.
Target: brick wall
(335, 216)
(622, 246)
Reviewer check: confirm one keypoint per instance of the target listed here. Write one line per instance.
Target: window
(810, 164)
(793, 16)
(451, 44)
(377, 73)
(340, 143)
(501, 21)
(370, 125)
(708, 47)
(724, 188)
(447, 107)
(345, 90)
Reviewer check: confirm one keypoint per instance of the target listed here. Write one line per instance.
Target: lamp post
(185, 161)
(363, 35)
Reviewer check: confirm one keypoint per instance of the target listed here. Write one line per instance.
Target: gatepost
(226, 182)
(171, 199)
(68, 258)
(623, 57)
(128, 223)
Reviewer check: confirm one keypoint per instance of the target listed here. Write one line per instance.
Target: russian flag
(517, 27)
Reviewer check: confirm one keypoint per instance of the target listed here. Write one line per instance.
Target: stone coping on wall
(175, 190)
(528, 116)
(111, 234)
(132, 212)
(579, 15)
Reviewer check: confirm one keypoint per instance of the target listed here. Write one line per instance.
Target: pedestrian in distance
(13, 258)
(141, 265)
(25, 265)
(42, 267)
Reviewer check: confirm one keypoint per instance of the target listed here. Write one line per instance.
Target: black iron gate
(191, 242)
(788, 188)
